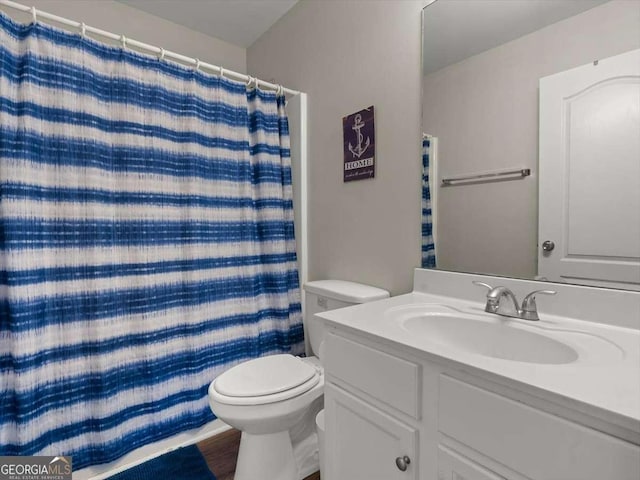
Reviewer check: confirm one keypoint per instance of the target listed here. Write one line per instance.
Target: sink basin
(489, 337)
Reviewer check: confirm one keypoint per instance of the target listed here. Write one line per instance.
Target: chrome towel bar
(519, 173)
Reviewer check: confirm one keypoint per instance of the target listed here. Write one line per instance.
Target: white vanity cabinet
(366, 442)
(372, 409)
(384, 403)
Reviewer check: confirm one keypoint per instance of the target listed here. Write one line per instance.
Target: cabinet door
(536, 444)
(363, 443)
(452, 466)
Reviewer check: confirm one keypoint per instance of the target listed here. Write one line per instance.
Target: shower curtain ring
(123, 41)
(197, 65)
(250, 81)
(34, 14)
(83, 30)
(162, 52)
(221, 72)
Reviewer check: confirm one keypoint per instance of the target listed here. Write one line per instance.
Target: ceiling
(456, 29)
(240, 22)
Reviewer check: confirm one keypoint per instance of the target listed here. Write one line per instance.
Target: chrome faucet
(528, 311)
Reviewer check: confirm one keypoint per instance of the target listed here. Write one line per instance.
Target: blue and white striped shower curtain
(146, 242)
(428, 245)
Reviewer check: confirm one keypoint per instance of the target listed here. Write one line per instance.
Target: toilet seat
(265, 380)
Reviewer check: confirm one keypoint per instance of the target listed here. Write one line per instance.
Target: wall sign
(358, 131)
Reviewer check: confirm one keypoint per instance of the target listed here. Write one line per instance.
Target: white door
(589, 197)
(363, 443)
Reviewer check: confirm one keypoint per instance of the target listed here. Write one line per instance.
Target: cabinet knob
(402, 462)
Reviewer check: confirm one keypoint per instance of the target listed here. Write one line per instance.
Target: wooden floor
(221, 453)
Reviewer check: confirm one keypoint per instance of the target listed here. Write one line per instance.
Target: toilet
(266, 397)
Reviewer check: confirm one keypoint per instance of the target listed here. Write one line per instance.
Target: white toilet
(265, 397)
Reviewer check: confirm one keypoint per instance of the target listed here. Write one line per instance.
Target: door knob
(402, 462)
(548, 245)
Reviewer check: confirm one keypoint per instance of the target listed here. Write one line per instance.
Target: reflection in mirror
(531, 116)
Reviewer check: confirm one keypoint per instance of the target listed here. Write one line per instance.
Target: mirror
(531, 121)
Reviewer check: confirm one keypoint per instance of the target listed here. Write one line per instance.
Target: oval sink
(491, 338)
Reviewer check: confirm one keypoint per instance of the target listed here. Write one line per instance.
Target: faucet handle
(482, 284)
(529, 307)
(531, 298)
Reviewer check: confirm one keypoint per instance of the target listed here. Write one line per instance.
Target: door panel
(589, 196)
(363, 443)
(452, 466)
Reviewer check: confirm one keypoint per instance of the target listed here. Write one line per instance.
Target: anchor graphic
(359, 149)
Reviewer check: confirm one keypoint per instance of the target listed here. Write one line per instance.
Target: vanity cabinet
(367, 442)
(531, 442)
(372, 409)
(384, 403)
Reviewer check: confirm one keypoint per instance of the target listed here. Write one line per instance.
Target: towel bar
(521, 172)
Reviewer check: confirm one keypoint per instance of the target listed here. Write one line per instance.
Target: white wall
(484, 111)
(348, 55)
(133, 23)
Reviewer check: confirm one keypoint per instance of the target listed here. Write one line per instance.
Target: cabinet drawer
(529, 441)
(453, 466)
(389, 379)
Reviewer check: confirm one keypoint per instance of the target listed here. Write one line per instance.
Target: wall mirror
(531, 139)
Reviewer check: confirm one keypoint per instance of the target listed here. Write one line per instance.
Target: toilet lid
(264, 376)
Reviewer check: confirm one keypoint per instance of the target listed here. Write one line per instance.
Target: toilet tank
(323, 295)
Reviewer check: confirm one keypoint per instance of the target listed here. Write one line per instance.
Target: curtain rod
(223, 72)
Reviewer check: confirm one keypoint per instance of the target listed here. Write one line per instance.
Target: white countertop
(604, 382)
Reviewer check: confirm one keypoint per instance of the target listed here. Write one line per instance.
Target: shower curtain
(146, 242)
(428, 246)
